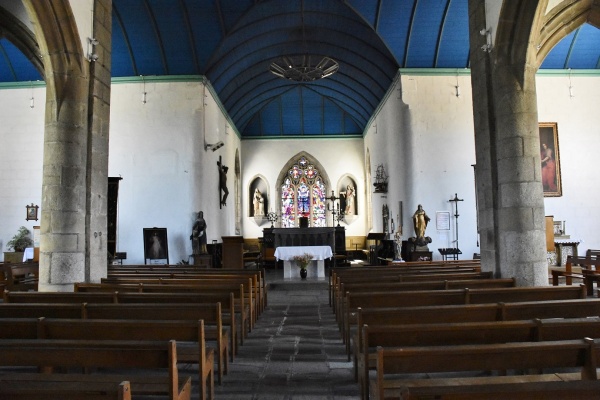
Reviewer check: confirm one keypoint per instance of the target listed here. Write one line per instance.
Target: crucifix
(334, 208)
(222, 183)
(455, 200)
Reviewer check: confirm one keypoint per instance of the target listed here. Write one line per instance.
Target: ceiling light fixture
(304, 68)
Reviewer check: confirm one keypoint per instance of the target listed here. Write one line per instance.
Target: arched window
(303, 195)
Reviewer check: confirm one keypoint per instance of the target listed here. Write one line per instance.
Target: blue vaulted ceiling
(232, 43)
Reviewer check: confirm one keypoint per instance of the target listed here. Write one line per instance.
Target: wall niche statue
(348, 201)
(257, 199)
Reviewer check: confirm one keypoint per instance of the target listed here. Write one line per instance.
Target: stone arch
(563, 19)
(284, 171)
(61, 51)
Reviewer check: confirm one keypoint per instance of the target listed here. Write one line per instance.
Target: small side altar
(316, 268)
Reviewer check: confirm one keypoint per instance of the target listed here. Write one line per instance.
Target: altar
(292, 270)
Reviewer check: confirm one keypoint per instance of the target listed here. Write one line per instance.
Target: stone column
(509, 189)
(75, 165)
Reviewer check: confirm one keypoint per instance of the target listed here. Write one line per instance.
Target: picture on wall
(550, 158)
(156, 248)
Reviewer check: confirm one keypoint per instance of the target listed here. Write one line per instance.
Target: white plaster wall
(424, 138)
(158, 149)
(338, 157)
(578, 120)
(21, 158)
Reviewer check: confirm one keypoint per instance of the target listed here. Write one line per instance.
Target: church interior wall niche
(258, 200)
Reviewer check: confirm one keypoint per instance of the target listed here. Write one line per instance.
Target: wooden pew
(118, 355)
(439, 334)
(209, 313)
(240, 306)
(563, 309)
(408, 278)
(59, 389)
(372, 273)
(20, 276)
(225, 298)
(574, 354)
(258, 283)
(250, 295)
(449, 297)
(419, 285)
(122, 330)
(259, 273)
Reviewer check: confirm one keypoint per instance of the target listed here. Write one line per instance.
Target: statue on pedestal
(198, 235)
(420, 221)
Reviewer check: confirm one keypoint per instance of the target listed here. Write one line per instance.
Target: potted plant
(303, 260)
(18, 243)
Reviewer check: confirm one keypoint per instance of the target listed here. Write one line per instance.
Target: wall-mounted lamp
(143, 89)
(487, 47)
(571, 95)
(91, 53)
(213, 147)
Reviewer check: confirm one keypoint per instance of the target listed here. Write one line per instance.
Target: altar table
(290, 267)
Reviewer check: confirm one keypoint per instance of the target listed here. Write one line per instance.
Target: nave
(295, 350)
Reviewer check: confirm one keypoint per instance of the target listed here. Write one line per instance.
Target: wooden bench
(419, 285)
(249, 294)
(241, 307)
(411, 278)
(126, 357)
(257, 276)
(48, 389)
(374, 273)
(189, 335)
(437, 334)
(20, 276)
(449, 297)
(580, 355)
(209, 313)
(225, 298)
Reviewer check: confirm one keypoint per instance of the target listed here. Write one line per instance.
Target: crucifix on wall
(222, 183)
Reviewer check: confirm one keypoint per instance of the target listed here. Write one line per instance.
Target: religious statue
(350, 194)
(420, 221)
(223, 182)
(198, 235)
(385, 212)
(259, 203)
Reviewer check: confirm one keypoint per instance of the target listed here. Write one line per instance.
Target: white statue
(259, 203)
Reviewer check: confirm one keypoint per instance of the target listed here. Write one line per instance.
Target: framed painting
(156, 248)
(550, 157)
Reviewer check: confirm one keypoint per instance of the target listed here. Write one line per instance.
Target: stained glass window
(303, 195)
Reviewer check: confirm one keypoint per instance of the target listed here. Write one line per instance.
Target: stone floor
(295, 350)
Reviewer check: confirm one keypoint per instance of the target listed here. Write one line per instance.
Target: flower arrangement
(303, 259)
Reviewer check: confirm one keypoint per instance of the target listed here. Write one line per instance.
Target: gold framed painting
(550, 159)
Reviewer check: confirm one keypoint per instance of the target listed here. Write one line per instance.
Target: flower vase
(303, 272)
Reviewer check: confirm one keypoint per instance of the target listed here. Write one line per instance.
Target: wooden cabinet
(233, 252)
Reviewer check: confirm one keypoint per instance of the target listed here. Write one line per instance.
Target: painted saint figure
(548, 169)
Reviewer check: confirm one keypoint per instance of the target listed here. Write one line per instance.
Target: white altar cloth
(291, 270)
